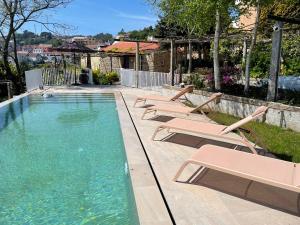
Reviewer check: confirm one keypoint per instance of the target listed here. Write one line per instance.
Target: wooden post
(9, 90)
(244, 51)
(111, 63)
(244, 59)
(172, 62)
(180, 72)
(88, 61)
(137, 63)
(275, 61)
(190, 57)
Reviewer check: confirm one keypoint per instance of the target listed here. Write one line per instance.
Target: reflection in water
(62, 162)
(11, 111)
(78, 116)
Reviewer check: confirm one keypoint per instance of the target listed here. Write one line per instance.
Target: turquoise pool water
(62, 161)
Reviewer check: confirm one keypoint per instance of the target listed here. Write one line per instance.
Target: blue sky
(90, 17)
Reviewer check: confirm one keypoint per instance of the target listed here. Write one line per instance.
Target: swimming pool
(62, 161)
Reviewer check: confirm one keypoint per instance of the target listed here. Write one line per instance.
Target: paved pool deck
(213, 198)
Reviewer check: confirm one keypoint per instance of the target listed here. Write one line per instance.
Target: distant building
(42, 49)
(122, 36)
(35, 52)
(98, 46)
(86, 40)
(121, 54)
(247, 20)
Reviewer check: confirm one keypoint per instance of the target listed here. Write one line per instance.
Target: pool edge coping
(149, 201)
(15, 98)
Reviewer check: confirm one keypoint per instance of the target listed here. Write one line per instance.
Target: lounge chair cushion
(195, 126)
(251, 166)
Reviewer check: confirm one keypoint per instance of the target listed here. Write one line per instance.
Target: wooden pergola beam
(284, 19)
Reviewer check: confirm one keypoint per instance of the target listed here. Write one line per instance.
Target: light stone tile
(215, 199)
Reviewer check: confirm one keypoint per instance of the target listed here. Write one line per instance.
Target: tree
(283, 8)
(46, 35)
(13, 15)
(196, 16)
(252, 45)
(104, 37)
(263, 26)
(141, 34)
(186, 14)
(166, 29)
(122, 31)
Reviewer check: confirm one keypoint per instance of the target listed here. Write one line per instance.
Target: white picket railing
(289, 82)
(33, 79)
(145, 78)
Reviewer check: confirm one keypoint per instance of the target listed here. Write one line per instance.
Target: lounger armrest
(260, 111)
(187, 89)
(244, 130)
(212, 98)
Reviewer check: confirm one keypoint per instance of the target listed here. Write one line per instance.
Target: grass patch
(285, 144)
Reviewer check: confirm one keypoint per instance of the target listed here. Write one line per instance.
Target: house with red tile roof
(130, 47)
(121, 54)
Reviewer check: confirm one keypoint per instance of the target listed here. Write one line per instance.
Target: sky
(89, 17)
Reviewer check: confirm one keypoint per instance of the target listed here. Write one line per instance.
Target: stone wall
(153, 62)
(103, 63)
(284, 116)
(161, 62)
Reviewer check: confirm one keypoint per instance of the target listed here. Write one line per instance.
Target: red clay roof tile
(130, 47)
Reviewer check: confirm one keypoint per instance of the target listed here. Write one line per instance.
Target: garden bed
(284, 116)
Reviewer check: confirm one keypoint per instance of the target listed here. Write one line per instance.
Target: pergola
(75, 47)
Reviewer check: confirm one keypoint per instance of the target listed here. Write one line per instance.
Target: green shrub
(260, 61)
(196, 80)
(291, 54)
(112, 77)
(96, 76)
(104, 79)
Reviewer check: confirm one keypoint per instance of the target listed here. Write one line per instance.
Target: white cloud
(136, 17)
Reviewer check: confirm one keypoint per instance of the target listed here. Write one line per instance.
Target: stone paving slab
(216, 198)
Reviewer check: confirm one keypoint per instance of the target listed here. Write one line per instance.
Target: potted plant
(84, 77)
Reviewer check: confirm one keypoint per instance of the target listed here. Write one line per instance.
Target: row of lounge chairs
(254, 167)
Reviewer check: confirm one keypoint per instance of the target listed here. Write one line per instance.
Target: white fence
(289, 82)
(129, 78)
(33, 79)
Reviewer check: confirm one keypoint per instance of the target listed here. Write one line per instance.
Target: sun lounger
(213, 131)
(185, 90)
(258, 168)
(175, 108)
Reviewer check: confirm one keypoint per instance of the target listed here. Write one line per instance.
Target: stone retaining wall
(278, 114)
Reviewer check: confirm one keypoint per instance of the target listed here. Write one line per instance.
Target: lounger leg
(180, 170)
(136, 101)
(209, 109)
(147, 111)
(158, 129)
(247, 143)
(139, 100)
